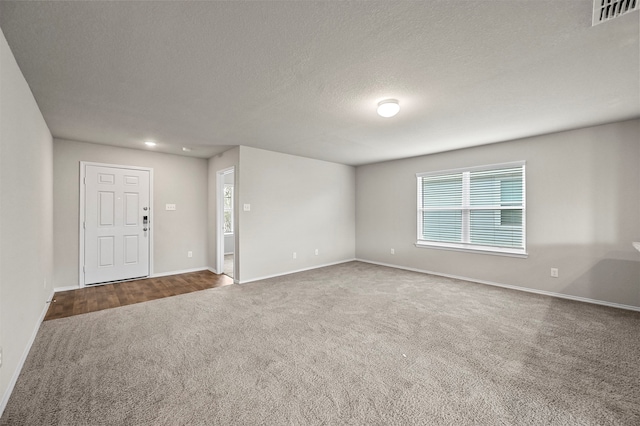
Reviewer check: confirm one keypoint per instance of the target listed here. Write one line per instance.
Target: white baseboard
(295, 271)
(23, 358)
(67, 288)
(212, 270)
(512, 287)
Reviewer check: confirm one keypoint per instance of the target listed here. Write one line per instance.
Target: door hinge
(84, 225)
(84, 180)
(84, 269)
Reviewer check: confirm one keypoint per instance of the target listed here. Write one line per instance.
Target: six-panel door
(116, 236)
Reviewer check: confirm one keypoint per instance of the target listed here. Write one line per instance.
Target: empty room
(320, 212)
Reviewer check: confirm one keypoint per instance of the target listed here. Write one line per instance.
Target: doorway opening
(226, 229)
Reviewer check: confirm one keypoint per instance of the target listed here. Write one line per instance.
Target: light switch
(247, 207)
(170, 207)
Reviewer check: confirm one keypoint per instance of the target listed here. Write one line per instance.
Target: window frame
(466, 207)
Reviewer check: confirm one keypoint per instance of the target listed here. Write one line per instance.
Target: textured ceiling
(304, 77)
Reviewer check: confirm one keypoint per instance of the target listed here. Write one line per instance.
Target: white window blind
(480, 208)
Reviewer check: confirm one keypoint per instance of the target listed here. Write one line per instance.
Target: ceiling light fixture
(388, 108)
(150, 143)
(185, 149)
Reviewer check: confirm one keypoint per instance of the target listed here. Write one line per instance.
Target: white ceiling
(304, 77)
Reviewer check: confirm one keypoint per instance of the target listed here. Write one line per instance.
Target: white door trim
(83, 166)
(220, 218)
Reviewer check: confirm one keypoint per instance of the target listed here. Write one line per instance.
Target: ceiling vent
(606, 10)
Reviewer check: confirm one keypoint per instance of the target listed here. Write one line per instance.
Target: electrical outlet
(554, 272)
(0, 357)
(393, 251)
(170, 207)
(317, 252)
(247, 207)
(189, 254)
(295, 255)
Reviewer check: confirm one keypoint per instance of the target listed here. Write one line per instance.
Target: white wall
(297, 205)
(583, 212)
(225, 160)
(26, 252)
(178, 180)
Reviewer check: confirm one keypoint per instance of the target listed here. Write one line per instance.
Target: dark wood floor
(97, 298)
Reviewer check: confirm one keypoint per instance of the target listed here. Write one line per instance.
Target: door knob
(144, 229)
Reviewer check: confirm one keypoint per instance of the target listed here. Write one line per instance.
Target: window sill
(485, 250)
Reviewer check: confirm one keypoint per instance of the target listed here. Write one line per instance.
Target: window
(228, 209)
(478, 209)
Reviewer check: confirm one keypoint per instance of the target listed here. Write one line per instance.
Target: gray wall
(297, 205)
(177, 180)
(230, 158)
(26, 242)
(229, 243)
(583, 212)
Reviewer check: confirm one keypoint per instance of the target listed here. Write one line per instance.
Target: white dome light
(388, 108)
(150, 143)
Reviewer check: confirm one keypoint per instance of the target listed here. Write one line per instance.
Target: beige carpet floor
(348, 344)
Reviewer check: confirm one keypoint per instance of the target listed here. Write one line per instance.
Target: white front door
(116, 223)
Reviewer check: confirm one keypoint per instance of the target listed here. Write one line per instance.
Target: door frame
(220, 221)
(83, 166)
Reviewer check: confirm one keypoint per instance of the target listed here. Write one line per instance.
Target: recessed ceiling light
(388, 108)
(185, 149)
(150, 143)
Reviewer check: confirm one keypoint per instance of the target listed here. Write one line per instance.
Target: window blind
(480, 208)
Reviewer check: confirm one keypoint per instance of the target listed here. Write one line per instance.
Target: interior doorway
(226, 222)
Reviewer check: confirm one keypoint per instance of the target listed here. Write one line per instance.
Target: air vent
(606, 10)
